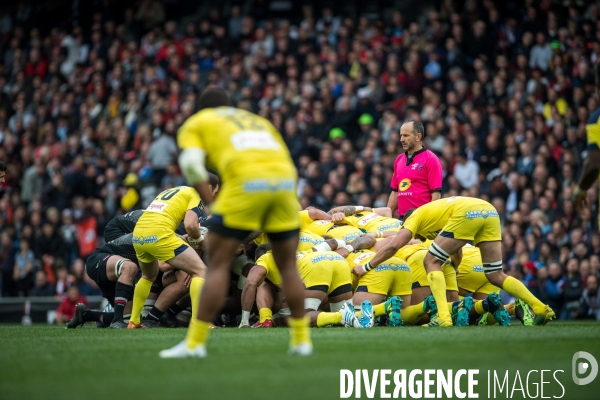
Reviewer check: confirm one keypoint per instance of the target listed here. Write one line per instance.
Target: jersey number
(246, 122)
(168, 194)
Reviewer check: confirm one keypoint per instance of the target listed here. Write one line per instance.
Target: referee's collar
(409, 158)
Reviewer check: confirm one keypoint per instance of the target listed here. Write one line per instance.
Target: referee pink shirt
(416, 178)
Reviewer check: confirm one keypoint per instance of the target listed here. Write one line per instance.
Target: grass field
(42, 362)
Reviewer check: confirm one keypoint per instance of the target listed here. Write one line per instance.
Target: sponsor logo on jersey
(157, 206)
(404, 184)
(308, 239)
(481, 214)
(392, 267)
(144, 239)
(477, 268)
(416, 167)
(387, 227)
(327, 257)
(367, 219)
(351, 236)
(254, 140)
(362, 258)
(264, 185)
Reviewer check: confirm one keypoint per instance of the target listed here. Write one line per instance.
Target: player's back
(168, 209)
(121, 246)
(238, 143)
(267, 261)
(121, 225)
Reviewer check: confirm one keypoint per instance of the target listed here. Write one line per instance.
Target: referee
(417, 178)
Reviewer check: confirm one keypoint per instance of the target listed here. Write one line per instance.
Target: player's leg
(142, 289)
(123, 271)
(284, 252)
(264, 302)
(174, 289)
(186, 259)
(439, 251)
(491, 255)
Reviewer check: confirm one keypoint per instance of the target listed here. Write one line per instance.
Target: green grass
(53, 363)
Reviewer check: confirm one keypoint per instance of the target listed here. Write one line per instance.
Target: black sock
(123, 294)
(155, 314)
(175, 309)
(107, 318)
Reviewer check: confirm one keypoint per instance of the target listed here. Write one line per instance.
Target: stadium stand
(92, 95)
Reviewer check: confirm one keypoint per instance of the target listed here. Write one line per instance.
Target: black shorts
(95, 267)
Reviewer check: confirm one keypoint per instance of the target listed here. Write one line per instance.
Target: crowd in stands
(89, 111)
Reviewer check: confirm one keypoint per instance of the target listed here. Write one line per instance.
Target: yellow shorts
(419, 274)
(156, 244)
(477, 223)
(318, 277)
(391, 278)
(341, 281)
(269, 205)
(472, 279)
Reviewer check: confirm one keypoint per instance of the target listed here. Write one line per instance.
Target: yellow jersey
(168, 209)
(371, 222)
(429, 219)
(268, 262)
(307, 260)
(307, 240)
(324, 227)
(239, 145)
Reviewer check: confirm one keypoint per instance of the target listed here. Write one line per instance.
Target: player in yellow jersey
(307, 240)
(316, 270)
(371, 220)
(258, 192)
(154, 240)
(452, 223)
(320, 223)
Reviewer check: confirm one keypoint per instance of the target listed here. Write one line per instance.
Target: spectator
(66, 309)
(43, 288)
(23, 269)
(590, 304)
(554, 286)
(162, 152)
(572, 292)
(466, 171)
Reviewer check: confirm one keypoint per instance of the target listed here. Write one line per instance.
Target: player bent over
(452, 223)
(154, 240)
(258, 193)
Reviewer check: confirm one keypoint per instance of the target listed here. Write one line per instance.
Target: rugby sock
(510, 308)
(195, 289)
(265, 314)
(513, 287)
(481, 307)
(329, 318)
(437, 285)
(412, 314)
(175, 309)
(299, 330)
(197, 333)
(140, 294)
(123, 294)
(98, 316)
(155, 314)
(379, 310)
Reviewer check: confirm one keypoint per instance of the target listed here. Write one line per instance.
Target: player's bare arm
(403, 237)
(363, 242)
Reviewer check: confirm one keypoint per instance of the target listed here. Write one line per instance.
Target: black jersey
(121, 225)
(121, 246)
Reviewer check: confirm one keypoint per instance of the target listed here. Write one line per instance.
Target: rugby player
(452, 223)
(258, 193)
(154, 240)
(319, 222)
(367, 219)
(316, 269)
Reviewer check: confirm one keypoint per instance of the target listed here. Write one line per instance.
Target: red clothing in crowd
(67, 307)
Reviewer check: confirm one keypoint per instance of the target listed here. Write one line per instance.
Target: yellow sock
(437, 284)
(299, 330)
(479, 307)
(379, 310)
(265, 314)
(411, 314)
(140, 294)
(195, 289)
(197, 333)
(329, 318)
(517, 289)
(510, 308)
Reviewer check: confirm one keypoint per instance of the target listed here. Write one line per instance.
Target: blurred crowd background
(92, 94)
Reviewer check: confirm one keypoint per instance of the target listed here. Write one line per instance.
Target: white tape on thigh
(284, 312)
(312, 304)
(119, 265)
(335, 307)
